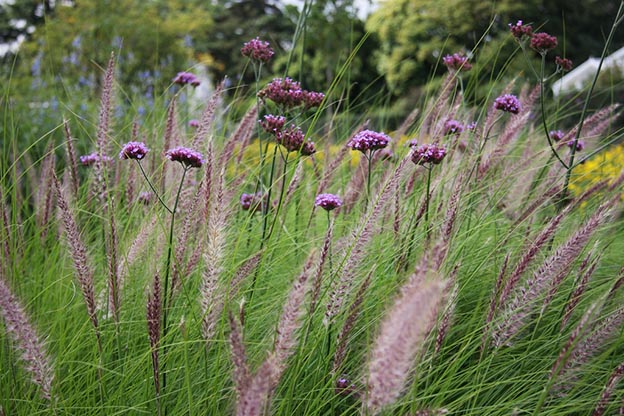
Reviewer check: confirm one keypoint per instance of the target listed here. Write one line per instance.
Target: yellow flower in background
(605, 165)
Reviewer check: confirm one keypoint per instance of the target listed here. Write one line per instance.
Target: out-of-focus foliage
(415, 34)
(18, 18)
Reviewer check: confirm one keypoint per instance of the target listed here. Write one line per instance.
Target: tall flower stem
(152, 188)
(281, 197)
(429, 169)
(166, 294)
(550, 142)
(369, 175)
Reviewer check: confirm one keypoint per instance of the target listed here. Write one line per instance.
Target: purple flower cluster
(146, 198)
(428, 153)
(194, 123)
(580, 145)
(542, 42)
(556, 135)
(308, 148)
(184, 78)
(368, 140)
(133, 150)
(519, 30)
(186, 156)
(508, 103)
(91, 159)
(288, 93)
(456, 62)
(257, 50)
(291, 138)
(564, 63)
(453, 127)
(328, 201)
(251, 202)
(272, 124)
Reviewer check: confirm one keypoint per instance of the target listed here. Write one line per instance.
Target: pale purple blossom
(312, 99)
(251, 202)
(184, 78)
(453, 127)
(520, 30)
(133, 150)
(556, 135)
(328, 201)
(257, 50)
(456, 62)
(194, 123)
(308, 148)
(146, 198)
(368, 140)
(292, 138)
(428, 153)
(564, 63)
(580, 145)
(542, 42)
(272, 124)
(508, 103)
(187, 157)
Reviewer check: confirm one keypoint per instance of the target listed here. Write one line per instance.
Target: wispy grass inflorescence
(33, 352)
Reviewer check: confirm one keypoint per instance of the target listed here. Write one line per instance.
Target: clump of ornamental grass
(330, 269)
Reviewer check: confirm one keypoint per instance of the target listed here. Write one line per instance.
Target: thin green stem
(550, 142)
(152, 188)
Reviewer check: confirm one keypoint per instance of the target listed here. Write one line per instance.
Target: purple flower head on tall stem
(186, 156)
(312, 99)
(428, 153)
(133, 150)
(456, 62)
(580, 145)
(453, 127)
(184, 78)
(564, 63)
(251, 202)
(518, 30)
(291, 138)
(194, 123)
(556, 135)
(257, 50)
(542, 42)
(328, 201)
(285, 92)
(308, 148)
(272, 124)
(368, 140)
(90, 159)
(508, 103)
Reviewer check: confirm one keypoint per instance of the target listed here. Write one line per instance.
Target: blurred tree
(236, 22)
(19, 18)
(415, 34)
(151, 41)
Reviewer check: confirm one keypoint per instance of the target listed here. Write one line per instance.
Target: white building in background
(583, 74)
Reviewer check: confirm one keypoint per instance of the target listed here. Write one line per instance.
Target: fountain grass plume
(78, 251)
(103, 133)
(402, 334)
(154, 316)
(33, 352)
(208, 116)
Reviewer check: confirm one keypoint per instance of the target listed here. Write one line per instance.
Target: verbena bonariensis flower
(90, 159)
(328, 201)
(284, 92)
(184, 78)
(146, 198)
(428, 153)
(456, 62)
(508, 103)
(292, 138)
(312, 99)
(519, 30)
(556, 135)
(453, 127)
(564, 63)
(257, 50)
(194, 123)
(133, 150)
(272, 124)
(308, 148)
(187, 157)
(542, 42)
(368, 140)
(251, 202)
(580, 145)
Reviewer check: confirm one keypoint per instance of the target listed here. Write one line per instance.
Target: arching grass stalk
(570, 165)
